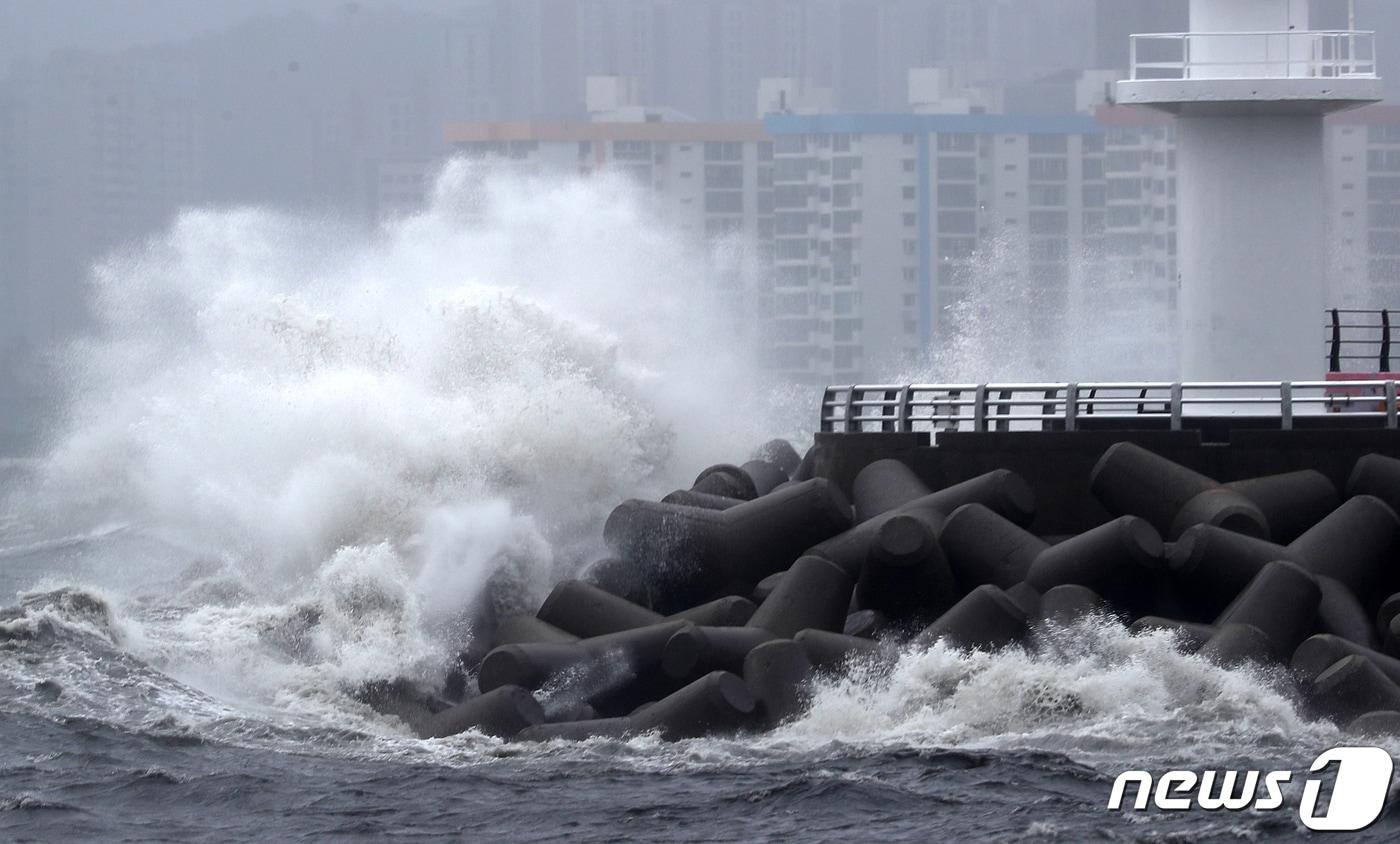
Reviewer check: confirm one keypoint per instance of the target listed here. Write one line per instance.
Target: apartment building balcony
(1304, 72)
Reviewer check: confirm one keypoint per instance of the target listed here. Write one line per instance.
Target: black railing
(1359, 341)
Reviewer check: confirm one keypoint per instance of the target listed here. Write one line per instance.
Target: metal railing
(1068, 406)
(1358, 341)
(1305, 54)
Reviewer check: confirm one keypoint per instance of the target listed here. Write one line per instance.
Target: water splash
(320, 445)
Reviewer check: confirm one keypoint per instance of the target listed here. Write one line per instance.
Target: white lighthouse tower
(1249, 86)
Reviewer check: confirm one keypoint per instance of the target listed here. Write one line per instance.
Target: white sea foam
(322, 443)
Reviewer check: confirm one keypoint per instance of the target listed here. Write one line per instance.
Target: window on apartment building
(1383, 160)
(957, 167)
(793, 169)
(1049, 169)
(1048, 222)
(910, 274)
(1383, 216)
(844, 330)
(791, 249)
(631, 150)
(840, 143)
(957, 196)
(1091, 143)
(957, 222)
(844, 222)
(765, 151)
(907, 139)
(790, 304)
(845, 303)
(908, 193)
(789, 276)
(1124, 216)
(844, 168)
(793, 223)
(1384, 243)
(724, 151)
(911, 247)
(791, 196)
(792, 330)
(1122, 160)
(1124, 189)
(1054, 195)
(724, 176)
(724, 202)
(1092, 169)
(723, 226)
(907, 165)
(909, 219)
(1094, 196)
(956, 248)
(1383, 188)
(1382, 134)
(1048, 144)
(765, 202)
(1049, 249)
(843, 195)
(956, 142)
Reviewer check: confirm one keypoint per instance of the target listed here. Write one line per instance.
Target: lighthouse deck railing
(1306, 54)
(935, 408)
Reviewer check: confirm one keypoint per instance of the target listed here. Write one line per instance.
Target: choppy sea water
(296, 458)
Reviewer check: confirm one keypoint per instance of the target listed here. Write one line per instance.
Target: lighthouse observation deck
(1205, 72)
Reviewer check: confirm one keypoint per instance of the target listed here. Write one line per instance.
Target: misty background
(116, 114)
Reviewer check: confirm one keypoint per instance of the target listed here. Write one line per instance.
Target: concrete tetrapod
(578, 730)
(703, 500)
(693, 651)
(1378, 475)
(730, 611)
(1069, 602)
(766, 476)
(780, 453)
(905, 575)
(984, 547)
(518, 629)
(885, 485)
(1001, 491)
(1236, 644)
(718, 702)
(1281, 601)
(502, 712)
(1213, 564)
(623, 578)
(727, 480)
(779, 674)
(1190, 635)
(694, 549)
(1340, 613)
(829, 651)
(1291, 502)
(1353, 686)
(586, 610)
(1113, 559)
(1385, 722)
(985, 619)
(601, 664)
(1129, 480)
(1318, 652)
(814, 593)
(1353, 543)
(865, 624)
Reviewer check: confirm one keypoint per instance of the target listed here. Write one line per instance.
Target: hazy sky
(30, 29)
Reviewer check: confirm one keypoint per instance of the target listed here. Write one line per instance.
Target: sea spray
(325, 448)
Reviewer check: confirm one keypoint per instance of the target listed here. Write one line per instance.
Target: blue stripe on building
(888, 124)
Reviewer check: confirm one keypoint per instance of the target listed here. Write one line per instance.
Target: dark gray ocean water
(112, 730)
